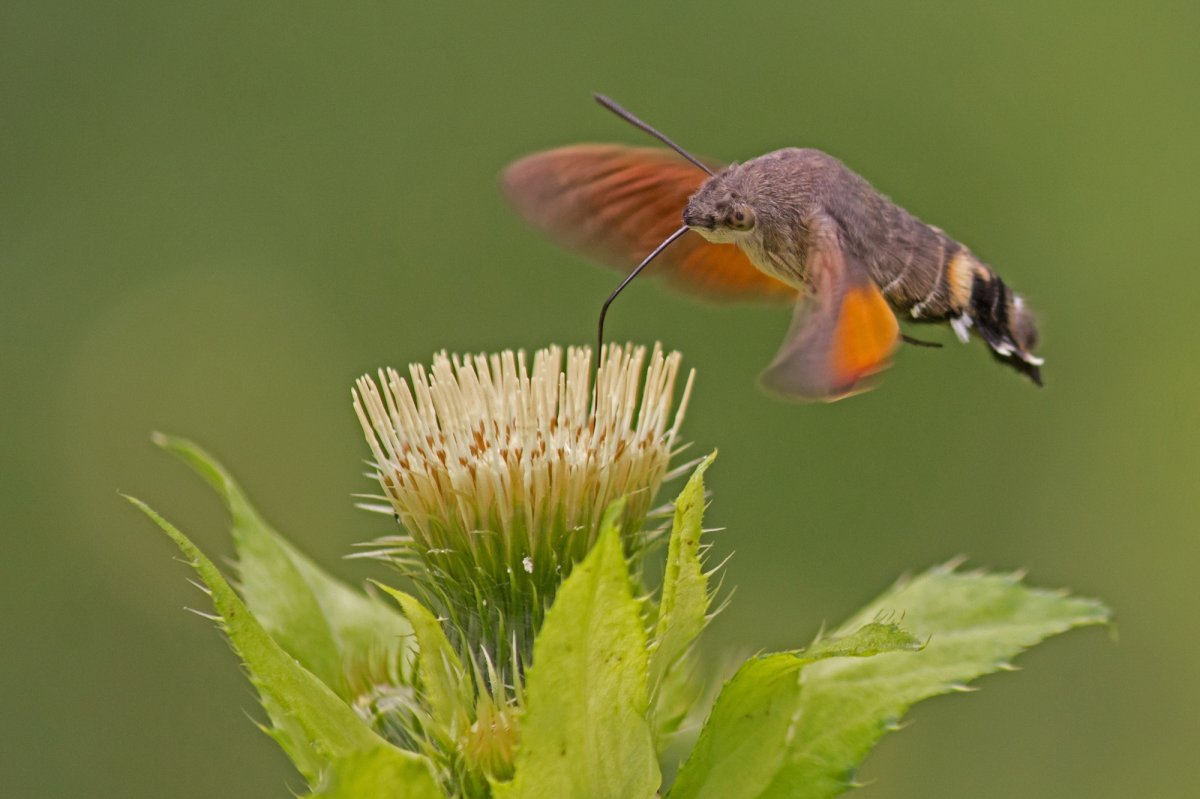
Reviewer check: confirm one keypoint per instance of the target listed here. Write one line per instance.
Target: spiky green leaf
(314, 726)
(838, 708)
(975, 624)
(745, 742)
(684, 605)
(343, 636)
(382, 773)
(682, 613)
(445, 685)
(584, 732)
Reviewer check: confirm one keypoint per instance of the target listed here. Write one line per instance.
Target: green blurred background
(214, 216)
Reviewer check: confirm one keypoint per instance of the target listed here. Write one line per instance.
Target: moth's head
(720, 211)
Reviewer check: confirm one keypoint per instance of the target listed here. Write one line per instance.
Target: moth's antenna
(612, 105)
(604, 308)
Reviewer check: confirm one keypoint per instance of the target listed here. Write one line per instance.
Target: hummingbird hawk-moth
(795, 225)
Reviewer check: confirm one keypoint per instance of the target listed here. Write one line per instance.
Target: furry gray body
(795, 191)
(777, 206)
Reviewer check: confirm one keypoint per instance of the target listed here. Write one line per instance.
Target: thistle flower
(499, 474)
(505, 480)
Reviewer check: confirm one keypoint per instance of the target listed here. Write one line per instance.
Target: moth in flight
(793, 225)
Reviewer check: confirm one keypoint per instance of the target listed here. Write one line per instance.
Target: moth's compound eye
(741, 217)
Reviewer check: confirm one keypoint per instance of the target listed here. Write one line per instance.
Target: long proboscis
(628, 279)
(615, 107)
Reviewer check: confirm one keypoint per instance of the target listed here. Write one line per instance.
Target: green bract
(421, 698)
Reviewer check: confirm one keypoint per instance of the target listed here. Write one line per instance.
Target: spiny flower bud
(499, 474)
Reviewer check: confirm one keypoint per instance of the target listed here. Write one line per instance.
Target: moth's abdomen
(931, 277)
(1003, 321)
(921, 270)
(949, 293)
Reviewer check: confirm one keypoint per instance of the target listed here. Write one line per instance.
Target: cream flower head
(499, 473)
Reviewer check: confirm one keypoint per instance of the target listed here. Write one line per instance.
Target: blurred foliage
(214, 216)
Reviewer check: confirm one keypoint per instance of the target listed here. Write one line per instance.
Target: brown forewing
(618, 203)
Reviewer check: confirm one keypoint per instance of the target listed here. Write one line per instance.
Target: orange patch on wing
(865, 336)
